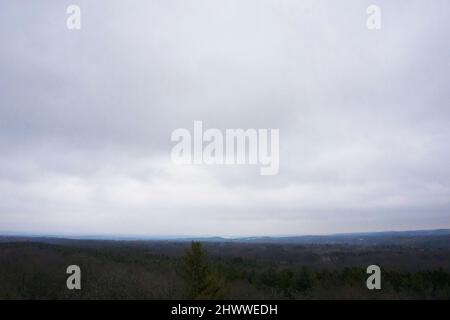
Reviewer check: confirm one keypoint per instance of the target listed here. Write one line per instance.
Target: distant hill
(440, 237)
(368, 238)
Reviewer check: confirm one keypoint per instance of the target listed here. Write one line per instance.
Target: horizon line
(105, 236)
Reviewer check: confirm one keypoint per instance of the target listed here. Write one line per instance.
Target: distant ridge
(383, 237)
(344, 238)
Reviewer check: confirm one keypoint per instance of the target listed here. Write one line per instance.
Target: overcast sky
(86, 116)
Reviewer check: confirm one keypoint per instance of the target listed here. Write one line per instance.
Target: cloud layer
(86, 116)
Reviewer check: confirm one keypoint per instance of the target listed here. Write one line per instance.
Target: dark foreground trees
(179, 270)
(201, 279)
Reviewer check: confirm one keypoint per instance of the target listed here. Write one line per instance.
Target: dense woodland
(36, 269)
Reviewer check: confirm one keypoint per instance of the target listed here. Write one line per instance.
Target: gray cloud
(86, 116)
